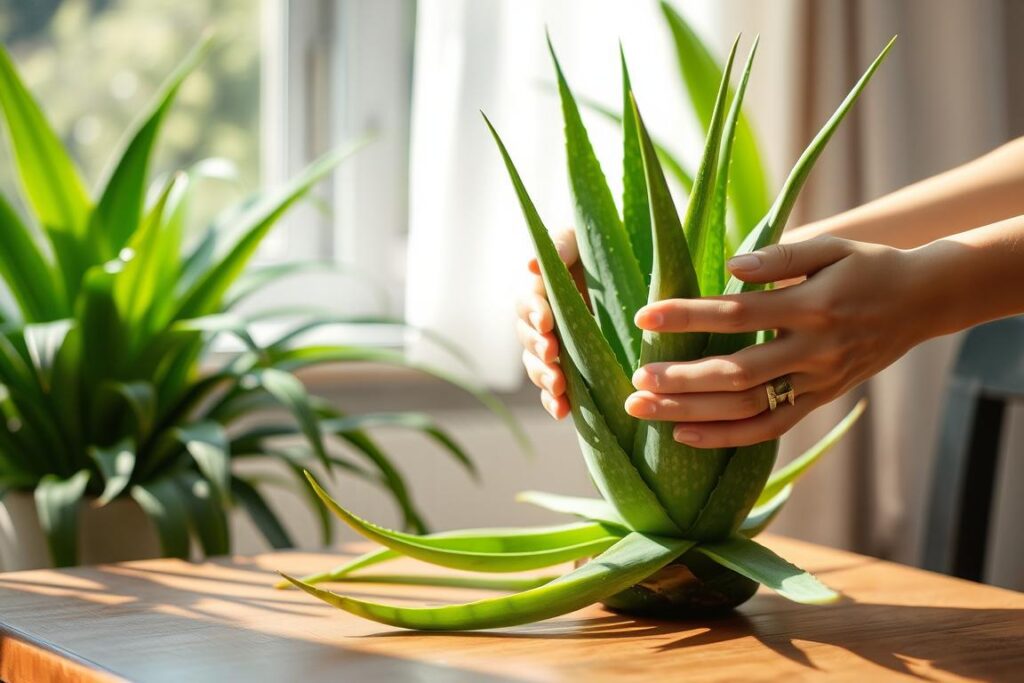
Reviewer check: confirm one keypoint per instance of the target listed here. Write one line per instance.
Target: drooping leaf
(116, 465)
(629, 561)
(162, 501)
(596, 509)
(490, 583)
(206, 513)
(261, 514)
(291, 393)
(439, 551)
(579, 334)
(207, 443)
(57, 502)
(614, 278)
(760, 564)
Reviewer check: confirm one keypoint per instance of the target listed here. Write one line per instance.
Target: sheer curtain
(942, 98)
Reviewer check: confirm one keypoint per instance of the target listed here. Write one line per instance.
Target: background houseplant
(113, 305)
(673, 531)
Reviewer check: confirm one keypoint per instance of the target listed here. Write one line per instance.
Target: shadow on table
(972, 643)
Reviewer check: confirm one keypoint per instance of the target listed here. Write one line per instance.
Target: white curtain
(468, 244)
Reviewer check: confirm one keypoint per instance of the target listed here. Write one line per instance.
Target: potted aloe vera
(120, 431)
(672, 533)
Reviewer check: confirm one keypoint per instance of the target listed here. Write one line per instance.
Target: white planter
(116, 532)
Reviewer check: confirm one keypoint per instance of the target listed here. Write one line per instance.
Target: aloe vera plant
(107, 386)
(672, 532)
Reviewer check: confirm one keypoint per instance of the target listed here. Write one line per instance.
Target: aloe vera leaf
(796, 468)
(119, 208)
(628, 562)
(368, 559)
(763, 514)
(769, 230)
(700, 71)
(710, 253)
(579, 334)
(614, 278)
(261, 514)
(491, 583)
(681, 476)
(596, 509)
(610, 467)
(116, 465)
(51, 182)
(435, 551)
(754, 561)
(28, 273)
(636, 209)
(57, 503)
(732, 498)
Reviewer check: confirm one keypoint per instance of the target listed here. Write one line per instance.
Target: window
(286, 81)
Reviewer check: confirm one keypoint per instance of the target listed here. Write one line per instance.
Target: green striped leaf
(614, 278)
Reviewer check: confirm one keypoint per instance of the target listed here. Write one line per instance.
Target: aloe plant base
(690, 587)
(117, 532)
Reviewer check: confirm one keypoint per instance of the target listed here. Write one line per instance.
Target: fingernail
(648, 319)
(745, 262)
(686, 436)
(535, 319)
(640, 407)
(643, 379)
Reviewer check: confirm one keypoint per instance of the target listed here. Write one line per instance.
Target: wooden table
(166, 620)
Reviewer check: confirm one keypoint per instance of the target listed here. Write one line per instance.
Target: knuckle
(733, 313)
(784, 253)
(736, 374)
(752, 402)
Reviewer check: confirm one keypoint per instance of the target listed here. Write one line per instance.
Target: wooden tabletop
(166, 620)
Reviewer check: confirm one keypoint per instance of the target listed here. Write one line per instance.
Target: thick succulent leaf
(206, 512)
(116, 465)
(636, 210)
(681, 476)
(262, 515)
(701, 73)
(610, 467)
(369, 559)
(769, 230)
(760, 564)
(50, 180)
(596, 509)
(710, 252)
(43, 341)
(737, 489)
(765, 513)
(613, 275)
(490, 583)
(405, 420)
(580, 335)
(492, 559)
(629, 561)
(206, 294)
(162, 501)
(119, 209)
(57, 503)
(30, 277)
(796, 468)
(207, 443)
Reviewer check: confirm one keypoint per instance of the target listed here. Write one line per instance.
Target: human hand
(861, 307)
(536, 328)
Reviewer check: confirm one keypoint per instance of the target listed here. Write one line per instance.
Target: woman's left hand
(861, 307)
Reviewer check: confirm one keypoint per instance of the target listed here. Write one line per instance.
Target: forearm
(981, 192)
(972, 277)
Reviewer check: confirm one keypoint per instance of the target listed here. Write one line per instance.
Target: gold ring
(779, 391)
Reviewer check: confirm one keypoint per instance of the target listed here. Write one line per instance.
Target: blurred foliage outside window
(94, 64)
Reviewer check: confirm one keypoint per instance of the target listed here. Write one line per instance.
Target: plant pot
(690, 587)
(116, 532)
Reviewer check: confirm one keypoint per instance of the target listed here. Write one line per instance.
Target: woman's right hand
(536, 328)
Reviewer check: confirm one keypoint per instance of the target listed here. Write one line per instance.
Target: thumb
(787, 261)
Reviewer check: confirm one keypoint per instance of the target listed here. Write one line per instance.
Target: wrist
(936, 293)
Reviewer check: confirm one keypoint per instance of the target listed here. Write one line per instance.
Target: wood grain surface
(166, 620)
